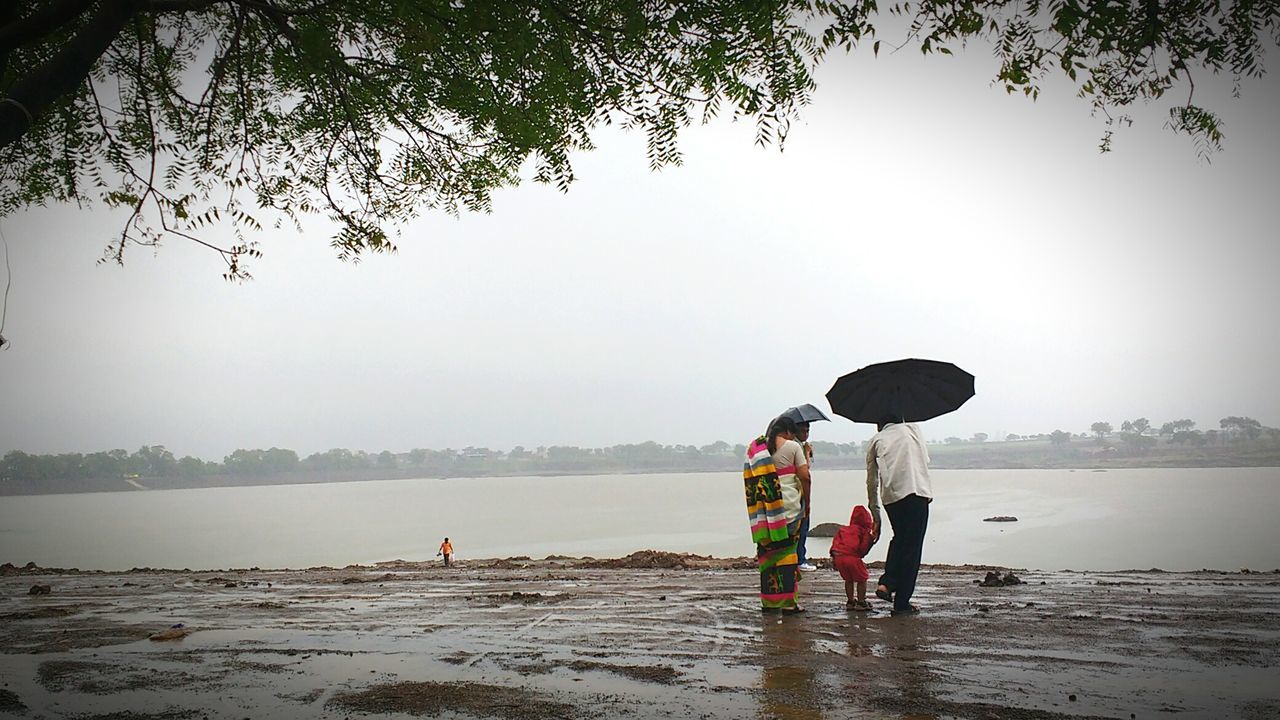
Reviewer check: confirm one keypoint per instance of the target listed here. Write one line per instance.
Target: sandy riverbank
(655, 635)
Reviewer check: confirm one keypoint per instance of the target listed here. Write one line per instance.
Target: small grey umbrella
(804, 414)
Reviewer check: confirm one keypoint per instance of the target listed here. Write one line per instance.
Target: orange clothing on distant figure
(446, 548)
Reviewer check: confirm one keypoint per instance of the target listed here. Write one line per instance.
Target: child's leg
(849, 590)
(862, 590)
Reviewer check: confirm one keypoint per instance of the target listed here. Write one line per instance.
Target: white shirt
(897, 466)
(787, 459)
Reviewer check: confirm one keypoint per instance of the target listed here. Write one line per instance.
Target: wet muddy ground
(653, 636)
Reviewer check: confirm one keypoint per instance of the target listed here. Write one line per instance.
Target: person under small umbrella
(898, 476)
(802, 415)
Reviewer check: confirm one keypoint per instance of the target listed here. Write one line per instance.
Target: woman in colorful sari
(774, 470)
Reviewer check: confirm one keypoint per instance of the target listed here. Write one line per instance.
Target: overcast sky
(917, 211)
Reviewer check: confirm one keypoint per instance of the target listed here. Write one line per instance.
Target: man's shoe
(807, 567)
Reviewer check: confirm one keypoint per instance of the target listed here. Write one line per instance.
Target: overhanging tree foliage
(190, 112)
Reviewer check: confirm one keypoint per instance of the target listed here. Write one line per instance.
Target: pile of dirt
(42, 613)
(435, 698)
(520, 598)
(58, 675)
(33, 569)
(995, 579)
(359, 579)
(11, 569)
(661, 674)
(651, 559)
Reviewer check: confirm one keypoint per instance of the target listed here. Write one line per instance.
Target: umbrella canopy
(804, 414)
(912, 389)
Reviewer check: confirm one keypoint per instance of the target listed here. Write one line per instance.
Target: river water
(1175, 519)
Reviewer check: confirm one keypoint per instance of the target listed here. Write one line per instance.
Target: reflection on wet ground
(789, 687)
(543, 640)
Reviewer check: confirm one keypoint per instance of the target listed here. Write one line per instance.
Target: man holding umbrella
(898, 475)
(896, 395)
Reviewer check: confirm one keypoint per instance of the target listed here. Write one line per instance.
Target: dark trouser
(909, 518)
(802, 555)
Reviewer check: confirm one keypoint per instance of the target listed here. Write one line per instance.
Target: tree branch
(166, 6)
(40, 23)
(30, 97)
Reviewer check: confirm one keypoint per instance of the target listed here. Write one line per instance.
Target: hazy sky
(917, 210)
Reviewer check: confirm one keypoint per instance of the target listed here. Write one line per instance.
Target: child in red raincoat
(852, 543)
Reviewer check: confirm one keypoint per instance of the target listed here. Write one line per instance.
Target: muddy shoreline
(651, 635)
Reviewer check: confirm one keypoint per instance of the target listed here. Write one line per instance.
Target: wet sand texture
(677, 637)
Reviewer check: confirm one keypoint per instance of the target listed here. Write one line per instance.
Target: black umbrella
(804, 414)
(913, 390)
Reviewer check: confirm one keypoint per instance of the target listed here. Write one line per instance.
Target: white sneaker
(808, 566)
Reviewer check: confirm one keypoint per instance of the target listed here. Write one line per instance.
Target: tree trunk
(30, 97)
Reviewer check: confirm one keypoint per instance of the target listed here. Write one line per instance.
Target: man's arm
(806, 485)
(873, 491)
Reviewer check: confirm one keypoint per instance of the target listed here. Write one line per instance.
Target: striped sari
(775, 540)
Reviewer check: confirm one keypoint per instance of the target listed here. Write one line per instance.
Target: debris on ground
(995, 579)
(173, 632)
(650, 559)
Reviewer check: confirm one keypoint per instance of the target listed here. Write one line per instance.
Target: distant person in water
(446, 549)
(898, 475)
(852, 543)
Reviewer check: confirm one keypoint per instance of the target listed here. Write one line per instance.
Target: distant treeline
(21, 472)
(1141, 434)
(1237, 441)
